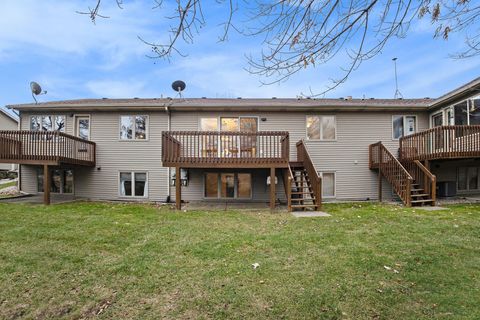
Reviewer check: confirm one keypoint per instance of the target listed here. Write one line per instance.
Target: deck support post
(272, 188)
(46, 185)
(178, 189)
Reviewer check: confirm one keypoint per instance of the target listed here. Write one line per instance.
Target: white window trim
(47, 115)
(334, 184)
(75, 128)
(404, 126)
(321, 129)
(147, 127)
(119, 186)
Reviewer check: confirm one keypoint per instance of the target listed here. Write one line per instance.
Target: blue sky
(47, 41)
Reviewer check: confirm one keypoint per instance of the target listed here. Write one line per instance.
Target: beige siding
(114, 156)
(6, 123)
(447, 170)
(347, 156)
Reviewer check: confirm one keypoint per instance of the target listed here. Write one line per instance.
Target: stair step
(416, 190)
(304, 205)
(302, 192)
(302, 199)
(296, 164)
(420, 195)
(422, 201)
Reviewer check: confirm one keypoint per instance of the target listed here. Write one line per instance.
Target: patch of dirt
(9, 191)
(97, 309)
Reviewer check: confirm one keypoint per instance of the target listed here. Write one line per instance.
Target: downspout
(19, 170)
(168, 171)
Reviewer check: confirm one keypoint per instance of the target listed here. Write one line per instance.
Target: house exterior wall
(7, 123)
(447, 171)
(347, 156)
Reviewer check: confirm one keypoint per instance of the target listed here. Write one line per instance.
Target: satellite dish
(36, 90)
(179, 86)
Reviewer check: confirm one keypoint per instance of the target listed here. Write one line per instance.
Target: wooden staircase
(412, 181)
(301, 189)
(303, 184)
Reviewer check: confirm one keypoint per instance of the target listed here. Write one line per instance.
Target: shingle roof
(214, 103)
(467, 88)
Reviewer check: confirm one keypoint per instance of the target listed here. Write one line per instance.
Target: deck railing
(45, 147)
(316, 181)
(395, 173)
(445, 142)
(197, 148)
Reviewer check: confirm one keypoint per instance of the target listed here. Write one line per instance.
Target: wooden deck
(445, 142)
(50, 148)
(199, 149)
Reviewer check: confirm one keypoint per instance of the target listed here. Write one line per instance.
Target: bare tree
(300, 34)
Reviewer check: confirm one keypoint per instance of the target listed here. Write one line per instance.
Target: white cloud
(53, 27)
(118, 88)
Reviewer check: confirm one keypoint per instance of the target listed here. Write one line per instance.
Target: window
(403, 126)
(461, 113)
(468, 179)
(475, 111)
(321, 127)
(83, 127)
(328, 184)
(61, 181)
(133, 184)
(47, 123)
(228, 185)
(133, 127)
(208, 124)
(437, 119)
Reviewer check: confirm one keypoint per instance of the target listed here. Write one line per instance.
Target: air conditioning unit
(446, 189)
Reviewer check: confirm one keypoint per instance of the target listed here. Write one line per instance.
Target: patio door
(229, 143)
(241, 145)
(248, 144)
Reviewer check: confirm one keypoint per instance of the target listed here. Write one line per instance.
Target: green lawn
(116, 261)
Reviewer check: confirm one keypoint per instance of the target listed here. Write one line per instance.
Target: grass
(117, 261)
(8, 184)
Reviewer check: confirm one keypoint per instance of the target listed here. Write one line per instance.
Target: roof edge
(9, 115)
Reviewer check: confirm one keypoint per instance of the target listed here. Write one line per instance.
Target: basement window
(133, 184)
(328, 184)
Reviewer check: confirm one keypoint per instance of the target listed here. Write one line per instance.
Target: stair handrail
(304, 156)
(287, 182)
(396, 175)
(423, 177)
